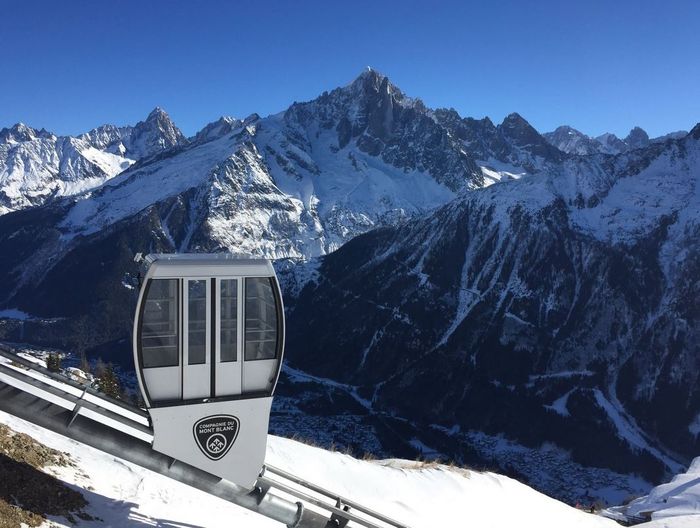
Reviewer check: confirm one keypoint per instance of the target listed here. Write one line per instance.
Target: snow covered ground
(672, 505)
(121, 493)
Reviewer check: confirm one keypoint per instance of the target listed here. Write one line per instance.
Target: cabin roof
(189, 262)
(207, 258)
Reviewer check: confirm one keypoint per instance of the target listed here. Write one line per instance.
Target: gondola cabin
(208, 346)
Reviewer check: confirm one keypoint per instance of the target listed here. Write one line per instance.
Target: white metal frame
(196, 379)
(229, 374)
(208, 267)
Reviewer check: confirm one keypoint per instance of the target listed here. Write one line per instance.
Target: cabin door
(228, 328)
(196, 360)
(230, 332)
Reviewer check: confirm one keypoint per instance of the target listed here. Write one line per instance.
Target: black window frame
(205, 331)
(142, 363)
(236, 351)
(278, 322)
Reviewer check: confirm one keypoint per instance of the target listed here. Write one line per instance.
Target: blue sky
(596, 65)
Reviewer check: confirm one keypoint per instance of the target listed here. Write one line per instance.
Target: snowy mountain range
(37, 166)
(571, 141)
(569, 297)
(477, 284)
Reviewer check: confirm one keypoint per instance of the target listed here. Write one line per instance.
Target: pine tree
(107, 380)
(53, 362)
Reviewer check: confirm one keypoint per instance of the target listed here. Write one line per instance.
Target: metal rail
(62, 405)
(76, 397)
(41, 402)
(74, 387)
(340, 502)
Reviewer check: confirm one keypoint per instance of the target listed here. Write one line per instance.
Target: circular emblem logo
(216, 443)
(216, 434)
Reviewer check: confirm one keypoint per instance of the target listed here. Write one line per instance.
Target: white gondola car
(208, 346)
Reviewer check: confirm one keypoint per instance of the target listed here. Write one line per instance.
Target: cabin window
(160, 340)
(260, 320)
(229, 320)
(196, 322)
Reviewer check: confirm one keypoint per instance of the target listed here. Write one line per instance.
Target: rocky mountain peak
(252, 118)
(157, 113)
(518, 132)
(155, 134)
(678, 134)
(637, 138)
(572, 141)
(514, 120)
(371, 84)
(695, 132)
(516, 128)
(447, 116)
(514, 141)
(611, 144)
(373, 116)
(566, 129)
(216, 129)
(369, 78)
(369, 73)
(21, 132)
(159, 118)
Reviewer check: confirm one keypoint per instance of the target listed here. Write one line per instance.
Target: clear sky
(599, 66)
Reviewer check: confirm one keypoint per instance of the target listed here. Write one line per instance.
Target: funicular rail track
(77, 411)
(342, 509)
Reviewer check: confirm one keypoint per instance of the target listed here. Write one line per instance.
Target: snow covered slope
(299, 183)
(147, 138)
(675, 504)
(295, 184)
(37, 166)
(563, 302)
(121, 493)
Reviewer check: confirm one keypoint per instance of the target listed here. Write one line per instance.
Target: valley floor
(299, 411)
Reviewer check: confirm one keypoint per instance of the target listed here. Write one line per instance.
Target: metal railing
(78, 411)
(78, 398)
(342, 510)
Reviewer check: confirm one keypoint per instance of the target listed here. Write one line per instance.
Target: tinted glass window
(196, 322)
(160, 338)
(229, 320)
(260, 320)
